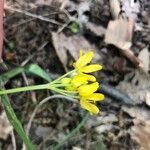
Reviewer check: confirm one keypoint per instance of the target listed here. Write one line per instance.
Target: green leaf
(74, 27)
(37, 70)
(15, 122)
(32, 68)
(10, 74)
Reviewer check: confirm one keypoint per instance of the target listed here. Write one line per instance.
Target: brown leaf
(144, 56)
(131, 8)
(148, 98)
(97, 30)
(136, 86)
(61, 3)
(71, 44)
(140, 132)
(137, 112)
(44, 2)
(115, 8)
(119, 33)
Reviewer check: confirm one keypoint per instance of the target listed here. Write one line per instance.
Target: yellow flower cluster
(84, 83)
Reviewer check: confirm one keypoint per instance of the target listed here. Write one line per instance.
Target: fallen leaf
(44, 2)
(61, 3)
(76, 148)
(137, 112)
(104, 128)
(5, 126)
(119, 33)
(43, 131)
(71, 45)
(80, 8)
(96, 29)
(148, 98)
(131, 8)
(115, 8)
(144, 56)
(136, 86)
(140, 132)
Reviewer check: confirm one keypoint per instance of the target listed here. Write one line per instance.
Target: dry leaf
(61, 3)
(144, 56)
(140, 132)
(136, 86)
(115, 8)
(131, 8)
(137, 112)
(72, 45)
(5, 126)
(148, 98)
(44, 2)
(119, 33)
(97, 30)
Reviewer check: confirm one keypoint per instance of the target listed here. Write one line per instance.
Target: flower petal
(95, 97)
(93, 109)
(80, 52)
(84, 60)
(90, 68)
(79, 80)
(86, 90)
(89, 77)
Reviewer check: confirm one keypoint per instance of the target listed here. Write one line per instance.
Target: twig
(34, 15)
(13, 140)
(116, 94)
(67, 137)
(39, 105)
(28, 20)
(43, 102)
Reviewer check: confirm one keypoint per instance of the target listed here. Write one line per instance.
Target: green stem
(55, 81)
(71, 134)
(37, 87)
(63, 92)
(27, 88)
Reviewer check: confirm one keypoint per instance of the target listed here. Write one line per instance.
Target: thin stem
(71, 134)
(55, 81)
(41, 103)
(38, 87)
(63, 92)
(22, 89)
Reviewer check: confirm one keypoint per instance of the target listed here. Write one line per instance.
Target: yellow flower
(81, 65)
(85, 84)
(78, 80)
(67, 83)
(88, 102)
(86, 90)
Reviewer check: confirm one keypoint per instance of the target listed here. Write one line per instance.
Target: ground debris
(123, 40)
(5, 126)
(136, 86)
(71, 44)
(140, 132)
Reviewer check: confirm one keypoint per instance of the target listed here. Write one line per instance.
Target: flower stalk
(78, 83)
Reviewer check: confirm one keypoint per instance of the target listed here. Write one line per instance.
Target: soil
(30, 27)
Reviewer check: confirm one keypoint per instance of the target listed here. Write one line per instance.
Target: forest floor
(49, 34)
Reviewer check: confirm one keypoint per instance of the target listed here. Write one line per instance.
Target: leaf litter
(116, 44)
